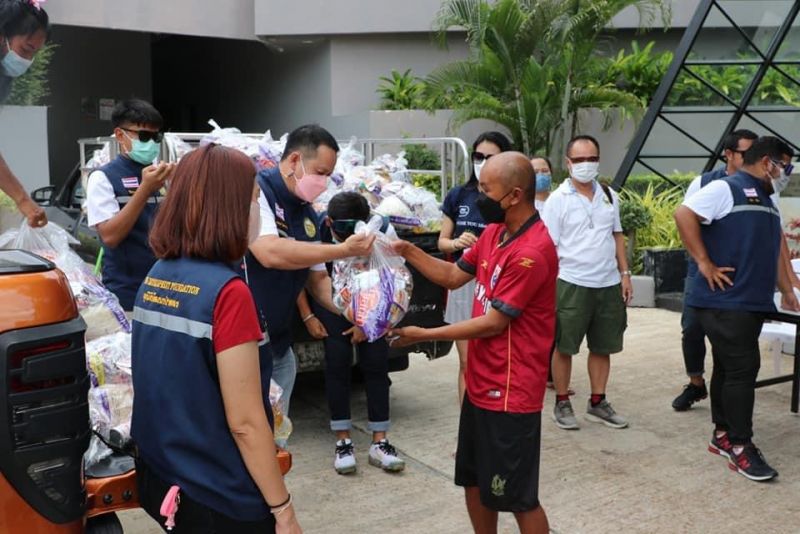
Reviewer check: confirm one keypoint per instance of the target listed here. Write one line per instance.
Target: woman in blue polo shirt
(462, 224)
(200, 411)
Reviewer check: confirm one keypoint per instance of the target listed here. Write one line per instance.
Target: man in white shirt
(693, 337)
(594, 284)
(732, 230)
(122, 198)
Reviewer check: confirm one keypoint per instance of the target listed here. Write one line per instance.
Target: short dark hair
(731, 141)
(578, 138)
(308, 139)
(21, 17)
(136, 111)
(348, 205)
(546, 160)
(772, 147)
(205, 214)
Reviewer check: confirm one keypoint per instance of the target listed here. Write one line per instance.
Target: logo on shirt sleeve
(526, 262)
(279, 213)
(484, 264)
(495, 276)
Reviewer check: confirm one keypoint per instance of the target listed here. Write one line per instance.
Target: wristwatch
(625, 273)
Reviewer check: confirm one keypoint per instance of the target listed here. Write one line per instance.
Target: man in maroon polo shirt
(511, 332)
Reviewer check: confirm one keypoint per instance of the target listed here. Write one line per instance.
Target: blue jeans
(693, 340)
(284, 372)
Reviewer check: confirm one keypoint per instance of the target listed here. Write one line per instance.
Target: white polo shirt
(269, 227)
(583, 233)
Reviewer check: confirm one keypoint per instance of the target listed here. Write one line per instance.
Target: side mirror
(44, 195)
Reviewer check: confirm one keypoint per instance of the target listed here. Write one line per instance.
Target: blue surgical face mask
(143, 153)
(15, 65)
(543, 182)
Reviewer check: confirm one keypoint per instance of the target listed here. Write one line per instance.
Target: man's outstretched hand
(403, 337)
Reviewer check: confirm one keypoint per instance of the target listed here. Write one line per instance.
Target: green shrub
(641, 182)
(431, 182)
(401, 91)
(661, 231)
(422, 158)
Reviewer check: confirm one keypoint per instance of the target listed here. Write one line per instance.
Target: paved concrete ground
(653, 477)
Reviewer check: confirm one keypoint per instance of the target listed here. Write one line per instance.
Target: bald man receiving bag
(510, 335)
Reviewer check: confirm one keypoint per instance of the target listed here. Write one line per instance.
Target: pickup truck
(44, 411)
(63, 206)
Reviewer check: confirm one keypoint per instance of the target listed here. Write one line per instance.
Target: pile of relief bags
(373, 293)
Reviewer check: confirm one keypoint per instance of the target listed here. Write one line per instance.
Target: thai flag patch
(131, 182)
(750, 192)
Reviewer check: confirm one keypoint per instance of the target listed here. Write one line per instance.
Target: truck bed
(427, 310)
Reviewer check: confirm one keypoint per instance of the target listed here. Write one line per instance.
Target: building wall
(24, 146)
(357, 63)
(90, 64)
(341, 17)
(215, 18)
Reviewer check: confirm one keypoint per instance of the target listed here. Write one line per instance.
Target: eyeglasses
(588, 159)
(480, 157)
(344, 228)
(146, 135)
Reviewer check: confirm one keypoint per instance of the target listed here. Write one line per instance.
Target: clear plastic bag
(374, 292)
(109, 360)
(98, 306)
(283, 425)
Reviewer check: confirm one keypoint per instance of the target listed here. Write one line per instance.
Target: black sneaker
(720, 445)
(750, 463)
(689, 396)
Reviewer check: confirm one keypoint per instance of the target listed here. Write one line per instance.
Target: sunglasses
(344, 228)
(787, 167)
(480, 157)
(146, 136)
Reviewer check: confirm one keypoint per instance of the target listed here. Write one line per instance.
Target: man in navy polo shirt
(122, 198)
(289, 244)
(733, 231)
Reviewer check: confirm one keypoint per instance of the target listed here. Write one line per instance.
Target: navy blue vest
(179, 422)
(125, 266)
(275, 290)
(705, 179)
(747, 239)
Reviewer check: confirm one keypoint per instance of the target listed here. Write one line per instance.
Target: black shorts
(499, 453)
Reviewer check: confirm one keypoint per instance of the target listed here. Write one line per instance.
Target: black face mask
(490, 209)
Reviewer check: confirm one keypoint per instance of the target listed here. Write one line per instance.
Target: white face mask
(585, 172)
(254, 224)
(14, 64)
(477, 168)
(781, 182)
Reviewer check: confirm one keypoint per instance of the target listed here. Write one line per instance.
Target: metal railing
(453, 153)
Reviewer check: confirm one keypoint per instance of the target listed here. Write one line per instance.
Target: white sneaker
(383, 455)
(345, 460)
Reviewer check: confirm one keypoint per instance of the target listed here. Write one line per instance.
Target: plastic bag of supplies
(373, 292)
